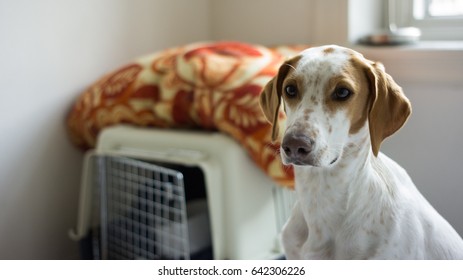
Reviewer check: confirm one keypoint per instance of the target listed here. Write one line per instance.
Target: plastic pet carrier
(165, 194)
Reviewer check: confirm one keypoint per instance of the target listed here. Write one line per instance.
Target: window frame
(432, 28)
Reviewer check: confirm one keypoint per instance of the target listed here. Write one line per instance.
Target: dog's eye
(341, 94)
(291, 91)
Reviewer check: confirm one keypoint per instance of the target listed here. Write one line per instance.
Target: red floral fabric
(208, 86)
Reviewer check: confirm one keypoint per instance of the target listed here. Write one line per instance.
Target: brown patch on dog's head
(328, 50)
(270, 98)
(352, 78)
(374, 97)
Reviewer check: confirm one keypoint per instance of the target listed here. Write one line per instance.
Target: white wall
(272, 22)
(268, 22)
(50, 50)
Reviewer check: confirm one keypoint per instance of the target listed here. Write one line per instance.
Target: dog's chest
(338, 227)
(323, 205)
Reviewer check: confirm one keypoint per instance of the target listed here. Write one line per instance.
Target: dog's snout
(297, 147)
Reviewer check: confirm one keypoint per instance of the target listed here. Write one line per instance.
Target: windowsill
(422, 45)
(436, 46)
(423, 62)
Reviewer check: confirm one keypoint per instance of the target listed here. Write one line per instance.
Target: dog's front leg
(294, 235)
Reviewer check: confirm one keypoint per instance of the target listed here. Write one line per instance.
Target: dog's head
(331, 96)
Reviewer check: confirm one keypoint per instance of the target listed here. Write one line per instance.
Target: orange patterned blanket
(208, 86)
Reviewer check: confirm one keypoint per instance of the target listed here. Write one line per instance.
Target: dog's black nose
(297, 146)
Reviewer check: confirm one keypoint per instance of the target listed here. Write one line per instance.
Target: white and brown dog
(353, 202)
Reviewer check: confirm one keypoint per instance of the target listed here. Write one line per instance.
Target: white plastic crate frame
(246, 209)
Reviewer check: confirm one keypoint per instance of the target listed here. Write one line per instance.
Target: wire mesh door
(141, 209)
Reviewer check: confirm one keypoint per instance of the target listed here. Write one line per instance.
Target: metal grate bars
(142, 210)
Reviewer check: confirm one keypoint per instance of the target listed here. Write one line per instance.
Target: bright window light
(438, 8)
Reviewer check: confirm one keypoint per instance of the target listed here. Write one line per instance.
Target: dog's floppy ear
(270, 98)
(389, 107)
